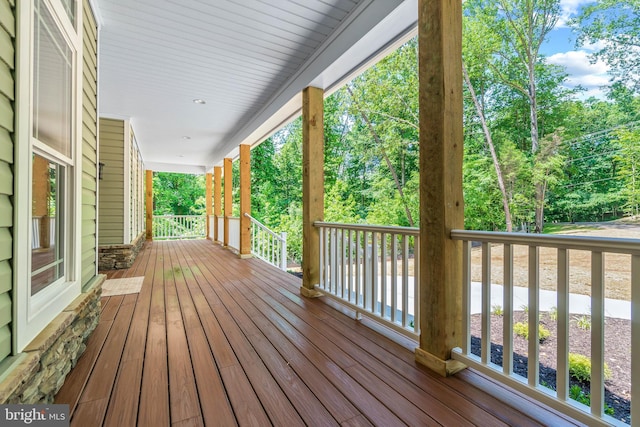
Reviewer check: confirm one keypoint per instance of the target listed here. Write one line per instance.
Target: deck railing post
(312, 186)
(149, 204)
(208, 199)
(441, 200)
(245, 201)
(217, 201)
(283, 251)
(228, 208)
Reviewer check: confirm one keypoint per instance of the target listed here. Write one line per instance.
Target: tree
(521, 27)
(629, 168)
(492, 150)
(178, 194)
(615, 26)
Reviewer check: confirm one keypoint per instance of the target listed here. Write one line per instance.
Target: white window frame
(33, 313)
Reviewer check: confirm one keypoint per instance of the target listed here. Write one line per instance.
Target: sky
(561, 50)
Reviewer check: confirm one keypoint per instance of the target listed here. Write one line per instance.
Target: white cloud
(570, 8)
(582, 72)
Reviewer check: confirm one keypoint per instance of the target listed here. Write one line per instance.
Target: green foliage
(576, 393)
(497, 310)
(522, 329)
(178, 194)
(580, 368)
(553, 313)
(613, 25)
(628, 160)
(583, 322)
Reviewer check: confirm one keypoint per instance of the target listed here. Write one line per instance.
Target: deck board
(215, 340)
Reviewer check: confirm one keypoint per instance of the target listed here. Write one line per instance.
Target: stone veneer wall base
(115, 257)
(41, 369)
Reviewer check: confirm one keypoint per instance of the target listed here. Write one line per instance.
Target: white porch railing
(179, 226)
(234, 233)
(35, 231)
(372, 270)
(530, 385)
(268, 245)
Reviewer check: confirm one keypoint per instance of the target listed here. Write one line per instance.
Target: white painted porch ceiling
(248, 59)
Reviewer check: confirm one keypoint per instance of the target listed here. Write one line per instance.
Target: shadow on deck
(215, 340)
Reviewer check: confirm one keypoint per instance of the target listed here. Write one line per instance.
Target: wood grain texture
(312, 182)
(217, 340)
(228, 199)
(217, 201)
(441, 199)
(148, 204)
(245, 199)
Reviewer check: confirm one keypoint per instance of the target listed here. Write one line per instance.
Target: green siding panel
(7, 20)
(7, 86)
(5, 276)
(7, 96)
(5, 309)
(5, 342)
(5, 244)
(6, 114)
(89, 147)
(6, 211)
(6, 179)
(6, 146)
(7, 52)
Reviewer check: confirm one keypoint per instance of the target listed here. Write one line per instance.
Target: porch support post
(217, 201)
(208, 180)
(441, 200)
(245, 201)
(149, 204)
(228, 208)
(312, 186)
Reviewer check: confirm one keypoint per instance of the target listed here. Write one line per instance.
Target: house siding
(111, 195)
(89, 146)
(7, 91)
(136, 209)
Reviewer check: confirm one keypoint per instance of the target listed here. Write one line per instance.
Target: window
(47, 251)
(52, 136)
(48, 173)
(52, 83)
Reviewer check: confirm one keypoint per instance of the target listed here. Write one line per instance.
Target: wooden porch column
(441, 201)
(228, 200)
(208, 202)
(149, 204)
(312, 186)
(217, 200)
(245, 201)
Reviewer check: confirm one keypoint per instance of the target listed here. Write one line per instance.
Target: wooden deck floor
(215, 340)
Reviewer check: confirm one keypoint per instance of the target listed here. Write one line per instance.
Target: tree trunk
(494, 157)
(540, 190)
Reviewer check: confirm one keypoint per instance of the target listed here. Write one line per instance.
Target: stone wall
(44, 364)
(114, 257)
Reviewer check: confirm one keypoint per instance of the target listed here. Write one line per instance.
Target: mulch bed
(617, 354)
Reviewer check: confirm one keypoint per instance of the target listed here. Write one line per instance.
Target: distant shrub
(553, 313)
(580, 368)
(497, 310)
(583, 322)
(576, 393)
(522, 329)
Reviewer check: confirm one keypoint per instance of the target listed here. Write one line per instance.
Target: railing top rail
(410, 231)
(180, 216)
(595, 244)
(264, 227)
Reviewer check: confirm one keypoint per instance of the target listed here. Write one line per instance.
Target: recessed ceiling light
(186, 137)
(199, 101)
(181, 155)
